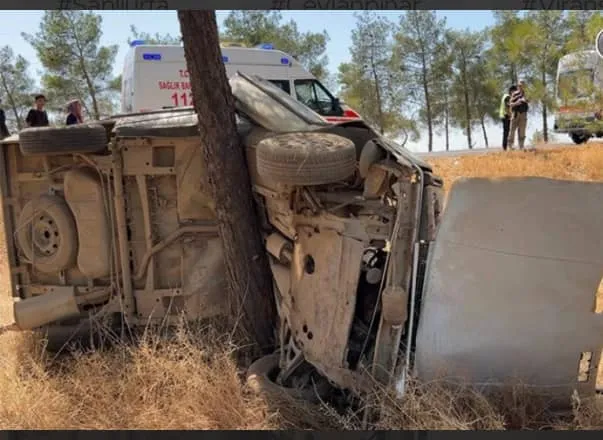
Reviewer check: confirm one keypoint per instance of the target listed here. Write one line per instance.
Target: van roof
(232, 54)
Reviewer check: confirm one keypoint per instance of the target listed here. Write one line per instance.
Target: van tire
(83, 138)
(306, 159)
(51, 217)
(260, 379)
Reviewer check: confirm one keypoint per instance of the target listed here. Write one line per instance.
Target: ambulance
(579, 87)
(156, 77)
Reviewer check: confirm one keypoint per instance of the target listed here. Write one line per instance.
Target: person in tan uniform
(519, 116)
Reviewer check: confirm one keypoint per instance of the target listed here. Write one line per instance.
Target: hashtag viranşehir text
(558, 5)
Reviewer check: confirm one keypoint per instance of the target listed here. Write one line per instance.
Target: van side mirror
(337, 105)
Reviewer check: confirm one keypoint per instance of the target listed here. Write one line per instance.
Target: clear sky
(116, 30)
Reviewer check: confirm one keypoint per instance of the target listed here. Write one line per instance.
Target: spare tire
(47, 234)
(83, 138)
(306, 159)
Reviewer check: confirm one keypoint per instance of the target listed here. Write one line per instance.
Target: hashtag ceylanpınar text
(359, 4)
(114, 4)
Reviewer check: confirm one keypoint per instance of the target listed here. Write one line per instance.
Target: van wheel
(83, 138)
(579, 138)
(306, 159)
(261, 378)
(46, 234)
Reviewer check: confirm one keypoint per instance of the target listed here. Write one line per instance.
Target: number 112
(184, 99)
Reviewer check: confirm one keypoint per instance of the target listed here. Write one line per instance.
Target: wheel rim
(45, 236)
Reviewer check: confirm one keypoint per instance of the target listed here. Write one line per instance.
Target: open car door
(511, 285)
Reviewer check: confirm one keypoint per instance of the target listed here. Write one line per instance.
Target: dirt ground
(194, 381)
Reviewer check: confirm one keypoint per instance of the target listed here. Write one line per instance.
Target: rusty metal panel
(510, 291)
(325, 272)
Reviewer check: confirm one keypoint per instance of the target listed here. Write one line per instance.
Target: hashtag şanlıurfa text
(114, 4)
(361, 4)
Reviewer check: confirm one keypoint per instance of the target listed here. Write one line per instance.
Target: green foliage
(76, 65)
(582, 29)
(472, 93)
(420, 52)
(544, 46)
(507, 53)
(15, 87)
(256, 27)
(373, 82)
(401, 76)
(155, 38)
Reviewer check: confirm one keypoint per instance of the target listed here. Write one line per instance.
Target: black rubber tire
(306, 159)
(54, 211)
(83, 138)
(579, 138)
(259, 379)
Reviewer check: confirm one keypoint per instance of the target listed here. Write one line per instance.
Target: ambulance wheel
(579, 138)
(83, 138)
(306, 159)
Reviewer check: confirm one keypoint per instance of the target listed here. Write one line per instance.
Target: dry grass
(193, 381)
(572, 163)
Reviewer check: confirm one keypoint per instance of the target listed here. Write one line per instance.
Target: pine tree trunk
(545, 125)
(425, 79)
(483, 123)
(11, 101)
(467, 106)
(447, 118)
(248, 272)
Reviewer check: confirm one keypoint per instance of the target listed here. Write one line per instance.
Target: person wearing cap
(3, 128)
(74, 113)
(504, 113)
(37, 116)
(519, 116)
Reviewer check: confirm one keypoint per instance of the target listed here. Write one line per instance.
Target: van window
(576, 84)
(317, 97)
(282, 84)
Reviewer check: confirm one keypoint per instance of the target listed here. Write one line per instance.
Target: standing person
(505, 115)
(74, 113)
(37, 116)
(519, 115)
(3, 128)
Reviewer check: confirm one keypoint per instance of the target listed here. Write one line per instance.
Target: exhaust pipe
(35, 312)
